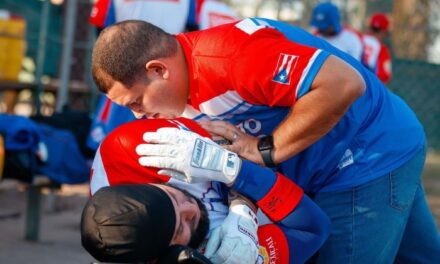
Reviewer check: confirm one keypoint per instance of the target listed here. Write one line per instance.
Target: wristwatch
(265, 146)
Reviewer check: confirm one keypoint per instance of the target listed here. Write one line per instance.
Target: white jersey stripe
(239, 109)
(306, 71)
(191, 113)
(291, 59)
(285, 57)
(99, 176)
(223, 104)
(249, 26)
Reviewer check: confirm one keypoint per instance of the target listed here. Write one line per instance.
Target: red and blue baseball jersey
(251, 73)
(377, 57)
(292, 227)
(108, 116)
(170, 15)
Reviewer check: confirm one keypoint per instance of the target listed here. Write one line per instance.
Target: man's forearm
(304, 126)
(333, 91)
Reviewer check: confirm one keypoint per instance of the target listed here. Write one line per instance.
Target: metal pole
(33, 213)
(69, 32)
(41, 54)
(93, 90)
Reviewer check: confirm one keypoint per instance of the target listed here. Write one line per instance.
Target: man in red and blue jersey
(309, 110)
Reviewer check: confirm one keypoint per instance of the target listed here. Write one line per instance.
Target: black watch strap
(265, 146)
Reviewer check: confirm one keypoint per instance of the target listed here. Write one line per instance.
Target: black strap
(267, 157)
(182, 255)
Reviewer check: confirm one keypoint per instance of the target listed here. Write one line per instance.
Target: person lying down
(135, 214)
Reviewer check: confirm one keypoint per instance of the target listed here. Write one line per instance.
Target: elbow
(359, 87)
(318, 236)
(321, 227)
(355, 86)
(322, 231)
(319, 224)
(350, 90)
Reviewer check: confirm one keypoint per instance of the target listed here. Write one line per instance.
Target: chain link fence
(29, 98)
(417, 82)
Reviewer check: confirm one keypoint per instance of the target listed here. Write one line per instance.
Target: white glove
(187, 156)
(235, 241)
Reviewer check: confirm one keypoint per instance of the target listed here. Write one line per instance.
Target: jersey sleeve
(384, 64)
(269, 69)
(99, 13)
(110, 17)
(298, 223)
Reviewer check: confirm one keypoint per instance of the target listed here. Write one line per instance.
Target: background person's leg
(421, 239)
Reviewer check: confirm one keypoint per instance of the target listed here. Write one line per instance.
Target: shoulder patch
(285, 66)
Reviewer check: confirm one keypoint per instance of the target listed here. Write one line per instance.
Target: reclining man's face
(192, 223)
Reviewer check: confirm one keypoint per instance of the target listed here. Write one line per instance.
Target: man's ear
(157, 69)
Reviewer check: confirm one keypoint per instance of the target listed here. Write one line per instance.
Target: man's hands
(235, 241)
(243, 144)
(187, 156)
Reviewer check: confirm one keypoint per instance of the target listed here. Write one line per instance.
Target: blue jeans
(386, 220)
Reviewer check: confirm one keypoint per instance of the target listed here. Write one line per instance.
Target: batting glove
(235, 241)
(187, 156)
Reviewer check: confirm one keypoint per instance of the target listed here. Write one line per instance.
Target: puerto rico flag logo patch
(285, 66)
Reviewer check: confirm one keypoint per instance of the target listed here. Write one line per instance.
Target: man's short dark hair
(122, 50)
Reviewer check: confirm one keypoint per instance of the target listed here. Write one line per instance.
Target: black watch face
(265, 143)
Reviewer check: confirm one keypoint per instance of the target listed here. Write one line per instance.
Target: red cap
(380, 21)
(119, 161)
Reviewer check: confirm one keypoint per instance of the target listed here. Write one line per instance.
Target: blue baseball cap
(325, 15)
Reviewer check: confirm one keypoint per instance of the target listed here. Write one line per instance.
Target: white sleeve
(216, 13)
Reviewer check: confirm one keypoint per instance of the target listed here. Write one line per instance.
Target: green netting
(418, 83)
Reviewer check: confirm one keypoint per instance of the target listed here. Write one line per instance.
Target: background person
(215, 13)
(377, 56)
(327, 21)
(302, 100)
(298, 224)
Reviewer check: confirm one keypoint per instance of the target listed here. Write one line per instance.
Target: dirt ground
(59, 238)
